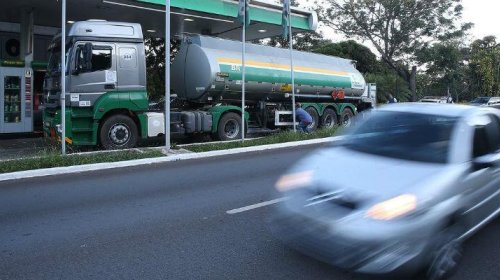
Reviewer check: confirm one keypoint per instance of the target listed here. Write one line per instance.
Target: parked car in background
(410, 183)
(486, 101)
(433, 99)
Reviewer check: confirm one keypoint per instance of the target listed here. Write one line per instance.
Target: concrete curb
(147, 161)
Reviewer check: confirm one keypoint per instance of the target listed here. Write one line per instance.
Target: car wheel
(118, 132)
(329, 119)
(447, 254)
(346, 117)
(315, 117)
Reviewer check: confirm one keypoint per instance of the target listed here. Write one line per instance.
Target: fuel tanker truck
(107, 101)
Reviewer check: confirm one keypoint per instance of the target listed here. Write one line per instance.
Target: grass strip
(52, 158)
(283, 137)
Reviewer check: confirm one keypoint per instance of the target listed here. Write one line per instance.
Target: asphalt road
(169, 221)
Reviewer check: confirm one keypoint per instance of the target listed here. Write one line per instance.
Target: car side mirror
(486, 161)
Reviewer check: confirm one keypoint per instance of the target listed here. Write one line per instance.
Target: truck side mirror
(83, 61)
(78, 61)
(87, 57)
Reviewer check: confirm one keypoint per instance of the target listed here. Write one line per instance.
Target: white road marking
(255, 206)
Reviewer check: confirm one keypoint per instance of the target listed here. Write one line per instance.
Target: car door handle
(109, 86)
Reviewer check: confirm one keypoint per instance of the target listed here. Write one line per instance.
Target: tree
(302, 42)
(389, 82)
(484, 67)
(396, 28)
(155, 64)
(366, 61)
(445, 68)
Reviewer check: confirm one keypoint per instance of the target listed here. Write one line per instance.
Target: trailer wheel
(346, 117)
(118, 132)
(315, 117)
(229, 127)
(329, 118)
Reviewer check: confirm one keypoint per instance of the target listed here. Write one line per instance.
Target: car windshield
(409, 136)
(481, 100)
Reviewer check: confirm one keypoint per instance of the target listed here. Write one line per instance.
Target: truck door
(97, 78)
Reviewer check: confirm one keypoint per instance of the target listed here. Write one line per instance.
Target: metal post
(63, 77)
(243, 79)
(167, 75)
(291, 65)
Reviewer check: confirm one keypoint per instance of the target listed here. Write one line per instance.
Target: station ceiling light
(189, 19)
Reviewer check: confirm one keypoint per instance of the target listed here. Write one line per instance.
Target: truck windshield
(409, 136)
(55, 58)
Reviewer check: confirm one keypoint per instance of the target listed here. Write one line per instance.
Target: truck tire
(118, 132)
(229, 127)
(315, 117)
(329, 118)
(346, 117)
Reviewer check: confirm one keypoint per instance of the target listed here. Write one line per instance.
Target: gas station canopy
(208, 17)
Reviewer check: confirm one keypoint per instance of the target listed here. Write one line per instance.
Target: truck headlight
(393, 208)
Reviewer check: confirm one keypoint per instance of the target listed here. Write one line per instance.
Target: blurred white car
(399, 193)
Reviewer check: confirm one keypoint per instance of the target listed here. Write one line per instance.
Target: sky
(485, 14)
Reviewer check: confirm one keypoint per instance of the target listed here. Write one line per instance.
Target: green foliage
(288, 136)
(302, 42)
(366, 61)
(445, 69)
(155, 65)
(484, 67)
(52, 158)
(397, 29)
(389, 82)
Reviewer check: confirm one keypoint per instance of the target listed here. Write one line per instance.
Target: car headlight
(294, 181)
(393, 208)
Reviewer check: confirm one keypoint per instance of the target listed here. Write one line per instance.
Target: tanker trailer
(107, 102)
(207, 72)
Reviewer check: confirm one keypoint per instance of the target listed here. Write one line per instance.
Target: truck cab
(105, 80)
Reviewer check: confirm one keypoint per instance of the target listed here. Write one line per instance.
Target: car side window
(487, 137)
(493, 130)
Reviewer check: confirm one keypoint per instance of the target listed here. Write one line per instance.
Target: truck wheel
(346, 117)
(315, 117)
(229, 127)
(329, 118)
(118, 132)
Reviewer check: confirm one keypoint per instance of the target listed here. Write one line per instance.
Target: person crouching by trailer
(303, 117)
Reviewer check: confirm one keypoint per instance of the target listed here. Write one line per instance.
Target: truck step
(83, 143)
(80, 116)
(81, 130)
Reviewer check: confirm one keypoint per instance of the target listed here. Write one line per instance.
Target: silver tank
(208, 69)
